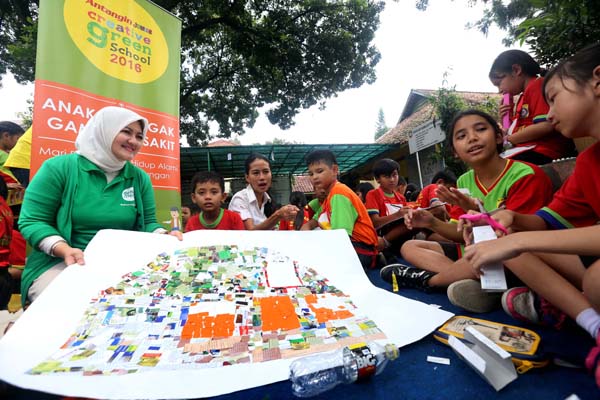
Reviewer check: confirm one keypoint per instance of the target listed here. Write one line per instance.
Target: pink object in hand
(507, 100)
(486, 218)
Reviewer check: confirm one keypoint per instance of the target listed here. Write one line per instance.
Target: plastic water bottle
(316, 374)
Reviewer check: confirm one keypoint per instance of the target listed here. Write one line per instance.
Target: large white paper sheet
(49, 321)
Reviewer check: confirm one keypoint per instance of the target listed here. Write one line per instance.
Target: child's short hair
(447, 176)
(505, 60)
(364, 188)
(579, 67)
(385, 167)
(482, 114)
(208, 176)
(322, 155)
(412, 192)
(11, 128)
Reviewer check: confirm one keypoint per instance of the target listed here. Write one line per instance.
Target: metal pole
(419, 169)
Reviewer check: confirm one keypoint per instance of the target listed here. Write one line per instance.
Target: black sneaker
(406, 276)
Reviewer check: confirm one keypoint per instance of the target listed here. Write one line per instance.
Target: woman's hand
(177, 234)
(70, 254)
(288, 212)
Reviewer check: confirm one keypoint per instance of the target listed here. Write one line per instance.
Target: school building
(414, 142)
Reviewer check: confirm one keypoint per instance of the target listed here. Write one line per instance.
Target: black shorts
(451, 250)
(588, 260)
(6, 284)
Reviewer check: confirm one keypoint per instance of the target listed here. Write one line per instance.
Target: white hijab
(95, 140)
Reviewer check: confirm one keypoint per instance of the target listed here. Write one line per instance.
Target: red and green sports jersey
(313, 207)
(226, 221)
(342, 209)
(521, 187)
(532, 109)
(577, 202)
(377, 202)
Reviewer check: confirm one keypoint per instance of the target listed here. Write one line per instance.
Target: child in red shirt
(429, 197)
(209, 194)
(515, 72)
(387, 204)
(6, 228)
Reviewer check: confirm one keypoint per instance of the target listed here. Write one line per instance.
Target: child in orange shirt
(341, 209)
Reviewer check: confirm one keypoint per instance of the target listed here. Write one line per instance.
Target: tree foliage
(27, 116)
(553, 29)
(380, 126)
(18, 36)
(238, 56)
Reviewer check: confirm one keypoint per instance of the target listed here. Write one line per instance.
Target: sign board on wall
(424, 136)
(93, 54)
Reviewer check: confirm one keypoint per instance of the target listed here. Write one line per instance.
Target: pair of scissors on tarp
(486, 217)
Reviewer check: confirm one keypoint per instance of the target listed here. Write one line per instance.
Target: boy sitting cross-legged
(342, 208)
(208, 194)
(387, 204)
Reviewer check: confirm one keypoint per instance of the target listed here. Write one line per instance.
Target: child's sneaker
(406, 276)
(592, 361)
(467, 294)
(524, 305)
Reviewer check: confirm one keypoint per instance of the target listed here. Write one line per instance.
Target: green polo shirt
(69, 197)
(100, 205)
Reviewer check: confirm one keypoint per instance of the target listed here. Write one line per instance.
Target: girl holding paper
(560, 281)
(476, 139)
(532, 136)
(74, 196)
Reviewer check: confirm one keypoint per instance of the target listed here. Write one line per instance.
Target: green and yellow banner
(92, 54)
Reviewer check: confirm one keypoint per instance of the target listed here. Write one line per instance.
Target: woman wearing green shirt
(74, 196)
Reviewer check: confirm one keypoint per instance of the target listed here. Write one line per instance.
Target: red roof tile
(302, 184)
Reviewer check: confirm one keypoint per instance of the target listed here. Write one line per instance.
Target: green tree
(380, 126)
(27, 115)
(553, 29)
(238, 56)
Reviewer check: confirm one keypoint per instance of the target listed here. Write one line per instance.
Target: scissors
(486, 217)
(424, 208)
